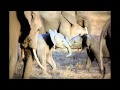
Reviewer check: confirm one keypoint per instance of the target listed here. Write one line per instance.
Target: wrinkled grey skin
(91, 45)
(64, 22)
(46, 43)
(24, 27)
(106, 36)
(51, 20)
(69, 26)
(83, 21)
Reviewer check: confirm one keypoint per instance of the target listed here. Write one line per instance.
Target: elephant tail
(103, 72)
(101, 56)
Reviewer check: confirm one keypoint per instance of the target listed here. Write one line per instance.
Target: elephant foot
(88, 64)
(87, 67)
(45, 73)
(102, 72)
(19, 64)
(53, 71)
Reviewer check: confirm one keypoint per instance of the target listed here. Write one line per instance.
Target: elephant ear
(29, 16)
(52, 35)
(70, 16)
(85, 41)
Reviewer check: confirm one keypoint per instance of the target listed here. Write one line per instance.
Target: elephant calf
(91, 45)
(45, 43)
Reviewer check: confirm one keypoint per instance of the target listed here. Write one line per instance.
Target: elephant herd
(40, 32)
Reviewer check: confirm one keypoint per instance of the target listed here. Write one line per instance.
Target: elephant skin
(51, 19)
(91, 45)
(46, 43)
(65, 22)
(69, 26)
(105, 37)
(24, 27)
(83, 20)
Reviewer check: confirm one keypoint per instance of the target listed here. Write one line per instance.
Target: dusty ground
(68, 68)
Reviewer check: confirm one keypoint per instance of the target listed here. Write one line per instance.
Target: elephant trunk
(69, 49)
(70, 52)
(35, 55)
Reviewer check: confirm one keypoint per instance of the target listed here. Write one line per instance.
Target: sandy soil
(67, 68)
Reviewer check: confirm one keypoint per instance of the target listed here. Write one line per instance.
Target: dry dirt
(67, 68)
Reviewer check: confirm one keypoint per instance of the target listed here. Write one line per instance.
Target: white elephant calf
(46, 42)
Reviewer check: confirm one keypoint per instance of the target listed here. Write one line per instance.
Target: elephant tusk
(69, 55)
(86, 30)
(70, 52)
(34, 52)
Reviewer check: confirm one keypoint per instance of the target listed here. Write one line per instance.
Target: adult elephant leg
(19, 52)
(105, 34)
(54, 64)
(51, 61)
(43, 62)
(88, 63)
(12, 62)
(100, 63)
(89, 58)
(41, 58)
(108, 44)
(102, 68)
(14, 32)
(27, 64)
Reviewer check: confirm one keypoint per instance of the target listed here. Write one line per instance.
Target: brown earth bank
(67, 68)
